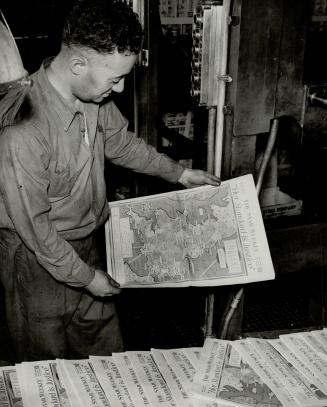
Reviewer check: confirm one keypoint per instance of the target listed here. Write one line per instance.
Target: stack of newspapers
(289, 371)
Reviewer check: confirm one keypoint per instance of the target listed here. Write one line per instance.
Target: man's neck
(59, 79)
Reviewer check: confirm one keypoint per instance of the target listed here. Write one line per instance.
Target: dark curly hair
(103, 25)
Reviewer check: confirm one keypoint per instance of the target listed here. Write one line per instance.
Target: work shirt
(52, 186)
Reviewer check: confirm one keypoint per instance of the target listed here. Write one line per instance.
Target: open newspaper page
(13, 388)
(206, 236)
(37, 384)
(227, 377)
(82, 386)
(112, 381)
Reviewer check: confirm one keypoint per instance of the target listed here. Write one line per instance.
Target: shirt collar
(65, 110)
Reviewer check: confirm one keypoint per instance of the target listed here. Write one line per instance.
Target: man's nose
(119, 87)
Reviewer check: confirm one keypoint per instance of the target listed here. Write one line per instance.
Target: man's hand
(196, 178)
(103, 285)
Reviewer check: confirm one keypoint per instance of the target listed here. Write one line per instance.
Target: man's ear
(78, 65)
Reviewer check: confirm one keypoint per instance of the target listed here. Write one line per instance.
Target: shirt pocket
(60, 182)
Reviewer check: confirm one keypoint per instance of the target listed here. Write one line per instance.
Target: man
(52, 188)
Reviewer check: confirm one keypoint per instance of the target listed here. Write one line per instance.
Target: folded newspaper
(205, 236)
(290, 371)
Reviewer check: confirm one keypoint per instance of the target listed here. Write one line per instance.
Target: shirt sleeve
(125, 149)
(24, 159)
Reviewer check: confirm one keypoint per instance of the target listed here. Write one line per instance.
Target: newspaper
(194, 355)
(229, 378)
(134, 384)
(60, 387)
(205, 236)
(316, 384)
(272, 379)
(308, 355)
(12, 387)
(111, 381)
(208, 374)
(290, 371)
(316, 342)
(172, 379)
(154, 384)
(293, 380)
(66, 381)
(4, 397)
(177, 372)
(82, 386)
(321, 337)
(182, 364)
(37, 384)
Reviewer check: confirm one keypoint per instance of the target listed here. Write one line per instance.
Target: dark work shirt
(52, 186)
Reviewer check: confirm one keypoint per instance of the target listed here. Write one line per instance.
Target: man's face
(102, 75)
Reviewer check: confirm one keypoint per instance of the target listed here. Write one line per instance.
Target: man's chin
(100, 99)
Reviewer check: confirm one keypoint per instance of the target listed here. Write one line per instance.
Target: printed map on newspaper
(206, 236)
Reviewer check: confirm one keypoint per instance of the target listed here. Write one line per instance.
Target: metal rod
(267, 154)
(210, 299)
(215, 146)
(210, 302)
(221, 89)
(211, 139)
(316, 100)
(265, 160)
(232, 308)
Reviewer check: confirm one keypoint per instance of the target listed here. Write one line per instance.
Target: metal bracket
(209, 3)
(224, 78)
(228, 110)
(234, 20)
(144, 57)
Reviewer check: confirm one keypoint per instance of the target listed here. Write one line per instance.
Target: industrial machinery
(210, 43)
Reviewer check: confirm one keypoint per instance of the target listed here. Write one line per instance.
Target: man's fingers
(191, 178)
(112, 292)
(103, 285)
(114, 287)
(215, 180)
(113, 282)
(210, 179)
